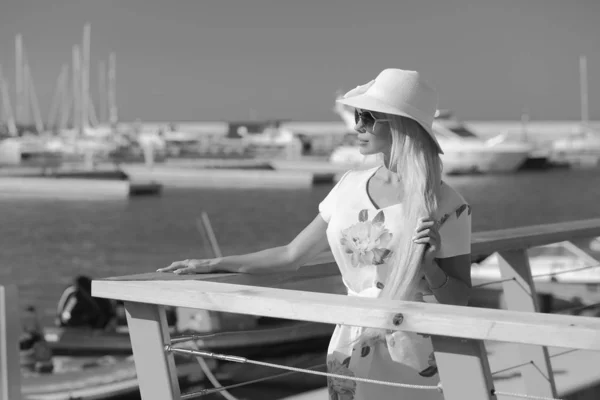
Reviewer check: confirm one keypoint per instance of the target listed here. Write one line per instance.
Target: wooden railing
(458, 333)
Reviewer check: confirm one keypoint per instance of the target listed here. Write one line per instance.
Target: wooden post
(10, 330)
(464, 368)
(155, 367)
(520, 295)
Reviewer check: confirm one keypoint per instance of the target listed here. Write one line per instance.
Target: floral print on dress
(366, 240)
(340, 389)
(458, 212)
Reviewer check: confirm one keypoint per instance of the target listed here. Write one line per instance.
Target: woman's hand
(427, 233)
(204, 266)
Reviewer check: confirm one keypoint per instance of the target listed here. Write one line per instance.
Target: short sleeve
(455, 233)
(329, 203)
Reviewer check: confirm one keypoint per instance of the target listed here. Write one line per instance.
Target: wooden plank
(435, 319)
(520, 295)
(531, 236)
(463, 367)
(303, 279)
(154, 366)
(10, 330)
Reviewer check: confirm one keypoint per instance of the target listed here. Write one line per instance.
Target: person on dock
(77, 307)
(34, 352)
(396, 231)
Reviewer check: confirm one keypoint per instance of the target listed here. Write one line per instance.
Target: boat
(550, 263)
(464, 151)
(566, 276)
(92, 378)
(263, 337)
(580, 149)
(94, 364)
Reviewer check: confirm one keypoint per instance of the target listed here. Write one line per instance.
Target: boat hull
(483, 161)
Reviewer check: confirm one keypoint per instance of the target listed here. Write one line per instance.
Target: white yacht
(563, 262)
(464, 152)
(581, 149)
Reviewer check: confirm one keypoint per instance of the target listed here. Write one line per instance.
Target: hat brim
(365, 102)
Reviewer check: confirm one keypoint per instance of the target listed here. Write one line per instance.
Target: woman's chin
(365, 150)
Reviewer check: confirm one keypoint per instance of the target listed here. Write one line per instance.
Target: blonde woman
(396, 231)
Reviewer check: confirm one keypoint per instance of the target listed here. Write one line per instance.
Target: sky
(205, 60)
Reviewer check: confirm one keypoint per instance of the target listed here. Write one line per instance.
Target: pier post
(10, 330)
(520, 295)
(464, 368)
(155, 367)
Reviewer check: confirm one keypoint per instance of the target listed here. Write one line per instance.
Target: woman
(396, 231)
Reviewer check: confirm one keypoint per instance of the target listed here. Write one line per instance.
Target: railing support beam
(520, 295)
(155, 367)
(464, 368)
(10, 330)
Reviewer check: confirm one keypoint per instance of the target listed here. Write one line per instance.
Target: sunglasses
(367, 118)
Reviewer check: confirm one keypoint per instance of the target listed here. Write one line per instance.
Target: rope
(205, 392)
(523, 396)
(303, 370)
(531, 362)
(578, 308)
(527, 396)
(212, 379)
(541, 275)
(293, 370)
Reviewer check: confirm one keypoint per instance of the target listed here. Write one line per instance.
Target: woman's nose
(360, 126)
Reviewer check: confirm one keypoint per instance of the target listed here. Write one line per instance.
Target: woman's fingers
(425, 224)
(174, 266)
(188, 267)
(186, 270)
(432, 240)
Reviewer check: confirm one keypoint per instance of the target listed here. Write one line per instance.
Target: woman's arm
(450, 279)
(309, 243)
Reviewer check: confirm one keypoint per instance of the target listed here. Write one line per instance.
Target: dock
(242, 174)
(108, 181)
(78, 189)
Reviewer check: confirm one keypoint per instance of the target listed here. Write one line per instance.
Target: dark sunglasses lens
(366, 117)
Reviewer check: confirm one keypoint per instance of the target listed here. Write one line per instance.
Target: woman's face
(374, 134)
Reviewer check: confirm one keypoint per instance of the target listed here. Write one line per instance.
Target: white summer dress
(359, 235)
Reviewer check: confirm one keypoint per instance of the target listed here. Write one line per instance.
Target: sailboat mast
(85, 77)
(583, 88)
(57, 98)
(112, 99)
(92, 112)
(6, 107)
(32, 96)
(66, 108)
(76, 70)
(102, 92)
(19, 78)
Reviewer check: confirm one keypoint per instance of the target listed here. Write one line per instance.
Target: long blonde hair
(415, 160)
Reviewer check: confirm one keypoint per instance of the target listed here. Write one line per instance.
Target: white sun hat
(398, 92)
